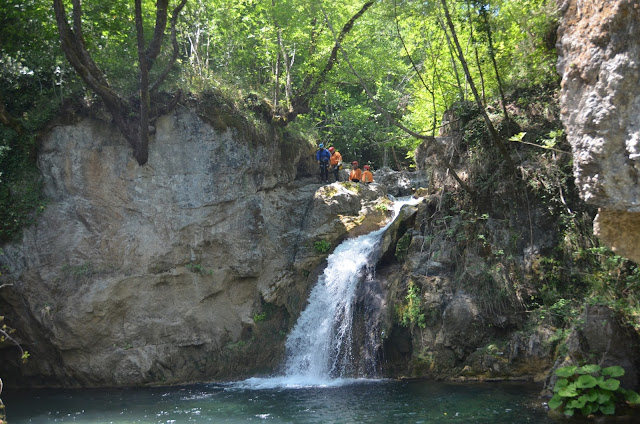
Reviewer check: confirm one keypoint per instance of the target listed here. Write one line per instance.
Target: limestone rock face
(190, 268)
(599, 46)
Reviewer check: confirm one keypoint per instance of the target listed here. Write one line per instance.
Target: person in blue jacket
(323, 156)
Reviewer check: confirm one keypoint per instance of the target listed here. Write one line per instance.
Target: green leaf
(589, 409)
(608, 408)
(603, 396)
(632, 397)
(588, 369)
(615, 371)
(577, 403)
(566, 371)
(517, 137)
(555, 402)
(560, 383)
(569, 391)
(591, 396)
(586, 381)
(569, 412)
(610, 384)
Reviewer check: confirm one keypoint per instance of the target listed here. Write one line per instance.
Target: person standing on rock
(367, 175)
(323, 156)
(335, 163)
(356, 173)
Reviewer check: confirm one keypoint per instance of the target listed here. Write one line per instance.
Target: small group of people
(357, 175)
(330, 160)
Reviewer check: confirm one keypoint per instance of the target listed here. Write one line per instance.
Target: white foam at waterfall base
(319, 346)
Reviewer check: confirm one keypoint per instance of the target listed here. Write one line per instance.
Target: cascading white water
(319, 346)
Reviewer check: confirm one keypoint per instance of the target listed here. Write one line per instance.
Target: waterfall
(319, 347)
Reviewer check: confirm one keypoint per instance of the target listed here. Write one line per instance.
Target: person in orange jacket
(335, 162)
(367, 176)
(356, 173)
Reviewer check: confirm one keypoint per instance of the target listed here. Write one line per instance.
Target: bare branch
(174, 44)
(153, 50)
(12, 340)
(497, 141)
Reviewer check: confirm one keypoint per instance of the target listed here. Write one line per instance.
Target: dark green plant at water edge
(590, 390)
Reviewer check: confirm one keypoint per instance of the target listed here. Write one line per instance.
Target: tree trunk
(133, 126)
(141, 145)
(453, 62)
(477, 55)
(415, 68)
(492, 130)
(492, 54)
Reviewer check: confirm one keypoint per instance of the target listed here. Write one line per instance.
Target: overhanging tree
(312, 83)
(495, 137)
(131, 116)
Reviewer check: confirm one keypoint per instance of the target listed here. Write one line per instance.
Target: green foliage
(330, 191)
(354, 187)
(577, 274)
(590, 390)
(322, 246)
(198, 268)
(21, 201)
(237, 46)
(84, 270)
(410, 313)
(260, 317)
(402, 247)
(381, 207)
(78, 271)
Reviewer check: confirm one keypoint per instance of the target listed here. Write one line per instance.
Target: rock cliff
(599, 47)
(190, 268)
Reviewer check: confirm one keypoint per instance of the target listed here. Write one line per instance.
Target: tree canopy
(372, 78)
(284, 52)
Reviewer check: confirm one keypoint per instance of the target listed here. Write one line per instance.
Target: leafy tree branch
(311, 84)
(386, 113)
(495, 137)
(134, 125)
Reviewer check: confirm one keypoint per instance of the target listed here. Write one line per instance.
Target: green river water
(345, 401)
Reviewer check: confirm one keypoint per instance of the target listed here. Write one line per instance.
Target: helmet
(354, 163)
(331, 149)
(321, 145)
(366, 167)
